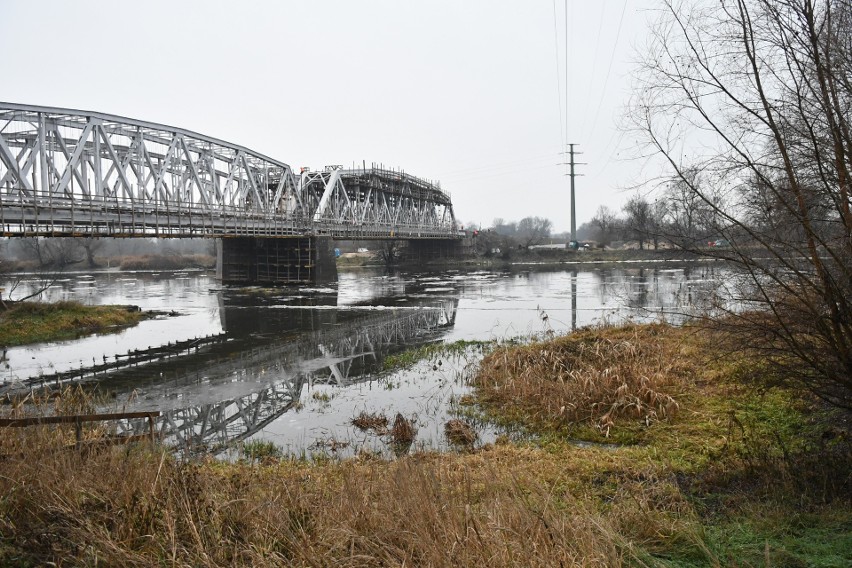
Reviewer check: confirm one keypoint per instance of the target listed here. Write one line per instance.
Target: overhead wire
(567, 88)
(521, 159)
(558, 79)
(528, 172)
(594, 65)
(609, 67)
(504, 170)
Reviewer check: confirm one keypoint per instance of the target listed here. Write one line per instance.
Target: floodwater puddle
(292, 367)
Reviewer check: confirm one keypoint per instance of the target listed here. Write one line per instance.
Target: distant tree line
(57, 253)
(503, 237)
(674, 217)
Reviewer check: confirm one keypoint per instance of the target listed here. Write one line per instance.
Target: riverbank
(648, 451)
(23, 323)
(539, 257)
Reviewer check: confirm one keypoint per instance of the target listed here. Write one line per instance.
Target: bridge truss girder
(67, 172)
(375, 197)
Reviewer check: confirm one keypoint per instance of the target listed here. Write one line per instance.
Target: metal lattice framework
(376, 198)
(68, 173)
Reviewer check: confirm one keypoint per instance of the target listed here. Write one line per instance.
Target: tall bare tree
(607, 223)
(753, 98)
(533, 230)
(637, 220)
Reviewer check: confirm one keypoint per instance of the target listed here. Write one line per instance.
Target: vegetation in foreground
(705, 473)
(34, 322)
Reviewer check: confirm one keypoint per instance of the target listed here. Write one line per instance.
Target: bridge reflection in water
(211, 400)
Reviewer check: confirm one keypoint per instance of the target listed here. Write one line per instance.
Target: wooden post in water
(151, 427)
(78, 428)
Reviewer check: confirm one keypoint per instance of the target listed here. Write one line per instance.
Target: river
(293, 366)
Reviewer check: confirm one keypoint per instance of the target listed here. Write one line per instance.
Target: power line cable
(519, 159)
(594, 65)
(501, 172)
(609, 68)
(558, 79)
(567, 88)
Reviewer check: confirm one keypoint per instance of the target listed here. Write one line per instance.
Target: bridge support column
(296, 260)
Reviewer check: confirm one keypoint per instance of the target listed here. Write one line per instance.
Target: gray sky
(460, 91)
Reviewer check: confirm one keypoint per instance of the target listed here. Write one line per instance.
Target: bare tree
(607, 223)
(533, 230)
(53, 252)
(34, 249)
(637, 220)
(686, 213)
(501, 227)
(756, 96)
(91, 246)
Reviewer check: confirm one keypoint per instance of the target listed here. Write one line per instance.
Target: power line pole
(571, 163)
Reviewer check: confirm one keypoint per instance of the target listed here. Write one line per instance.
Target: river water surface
(294, 366)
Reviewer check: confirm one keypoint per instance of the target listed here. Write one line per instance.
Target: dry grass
(403, 431)
(460, 433)
(508, 505)
(366, 421)
(595, 377)
(152, 510)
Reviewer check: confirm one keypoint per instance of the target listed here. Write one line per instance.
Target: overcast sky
(465, 92)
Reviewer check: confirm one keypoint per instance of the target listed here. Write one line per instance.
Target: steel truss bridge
(268, 380)
(74, 173)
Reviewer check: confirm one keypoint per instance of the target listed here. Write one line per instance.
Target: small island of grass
(34, 322)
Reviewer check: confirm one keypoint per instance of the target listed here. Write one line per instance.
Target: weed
(408, 358)
(261, 450)
(460, 433)
(321, 396)
(403, 432)
(371, 421)
(591, 377)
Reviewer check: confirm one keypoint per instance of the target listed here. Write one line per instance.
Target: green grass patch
(406, 359)
(35, 322)
(656, 426)
(260, 450)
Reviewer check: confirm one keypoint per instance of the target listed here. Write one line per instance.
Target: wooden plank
(32, 421)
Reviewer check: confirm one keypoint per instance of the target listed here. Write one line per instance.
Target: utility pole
(571, 163)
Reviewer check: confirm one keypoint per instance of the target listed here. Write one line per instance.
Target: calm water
(294, 366)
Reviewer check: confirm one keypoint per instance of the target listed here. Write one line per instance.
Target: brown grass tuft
(403, 431)
(460, 433)
(593, 376)
(376, 422)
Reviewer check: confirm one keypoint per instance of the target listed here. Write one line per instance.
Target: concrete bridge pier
(273, 261)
